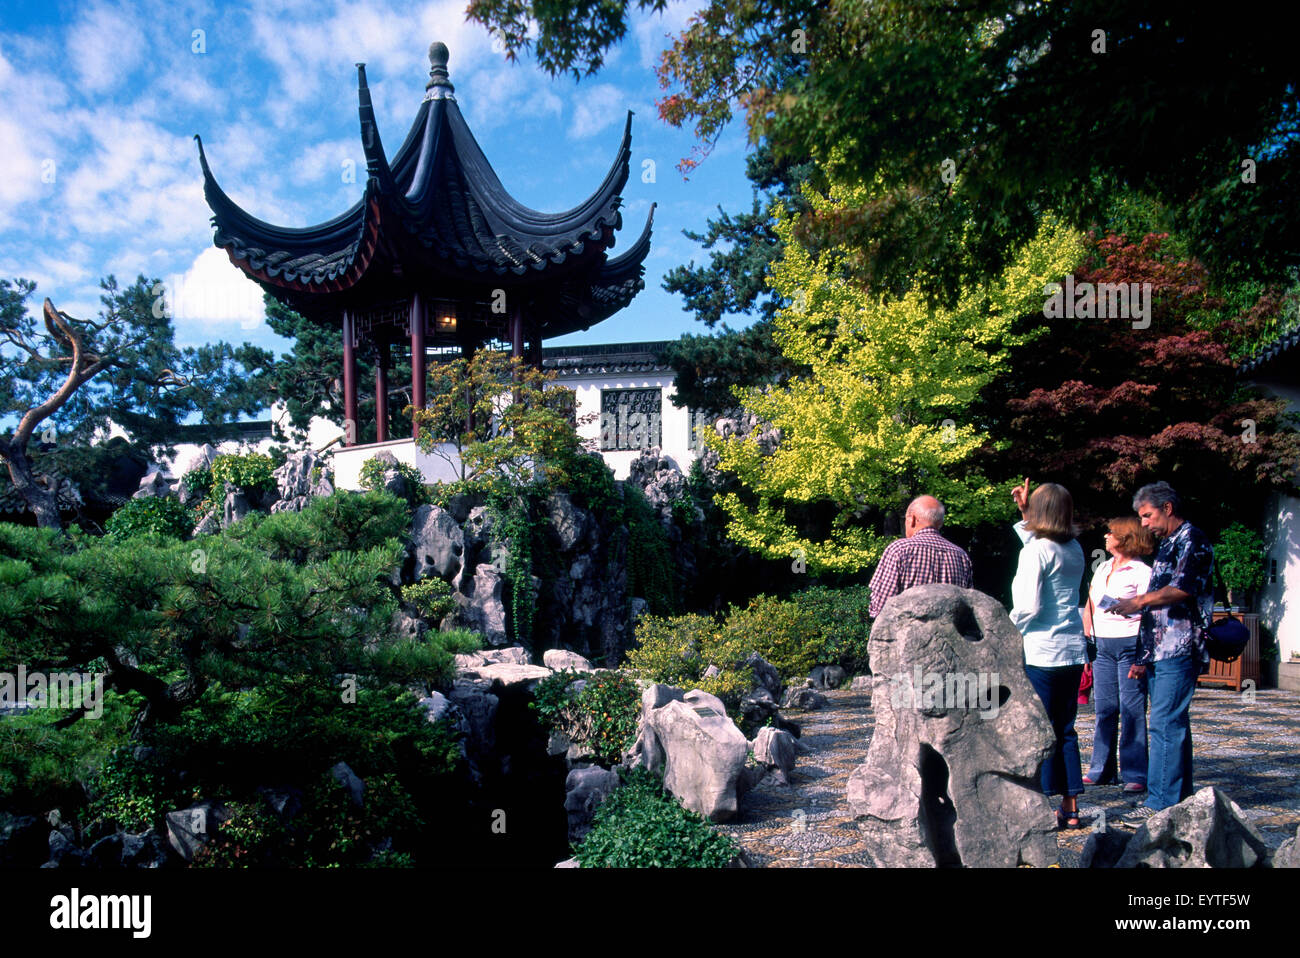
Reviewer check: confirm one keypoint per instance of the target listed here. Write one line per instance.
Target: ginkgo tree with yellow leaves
(881, 416)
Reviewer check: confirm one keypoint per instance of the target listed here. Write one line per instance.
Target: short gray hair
(1157, 494)
(931, 514)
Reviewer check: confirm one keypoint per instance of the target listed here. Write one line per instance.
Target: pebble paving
(1248, 749)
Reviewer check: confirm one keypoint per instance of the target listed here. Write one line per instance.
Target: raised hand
(1020, 496)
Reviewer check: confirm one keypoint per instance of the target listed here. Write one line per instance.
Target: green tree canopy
(883, 414)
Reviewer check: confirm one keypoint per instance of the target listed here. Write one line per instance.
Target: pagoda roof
(438, 215)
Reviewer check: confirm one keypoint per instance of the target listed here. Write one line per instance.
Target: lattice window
(630, 419)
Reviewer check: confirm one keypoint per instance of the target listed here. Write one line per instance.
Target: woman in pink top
(1118, 696)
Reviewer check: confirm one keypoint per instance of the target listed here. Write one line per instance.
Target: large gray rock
(348, 780)
(560, 659)
(437, 543)
(569, 524)
(757, 706)
(475, 715)
(699, 749)
(235, 507)
(189, 829)
(952, 778)
(1104, 847)
(435, 706)
(1207, 830)
(809, 700)
(480, 605)
(826, 677)
(152, 486)
(1288, 853)
(584, 790)
(510, 655)
(509, 673)
(860, 683)
(775, 749)
(146, 850)
(765, 675)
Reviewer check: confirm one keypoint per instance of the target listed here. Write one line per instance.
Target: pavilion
(436, 256)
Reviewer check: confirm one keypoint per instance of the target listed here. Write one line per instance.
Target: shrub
(372, 478)
(678, 650)
(602, 716)
(779, 632)
(198, 483)
(250, 471)
(163, 515)
(638, 826)
(432, 598)
(1239, 555)
(843, 618)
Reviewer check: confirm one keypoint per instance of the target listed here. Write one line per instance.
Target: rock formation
(951, 776)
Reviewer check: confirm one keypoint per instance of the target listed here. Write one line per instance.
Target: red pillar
(417, 358)
(350, 425)
(381, 393)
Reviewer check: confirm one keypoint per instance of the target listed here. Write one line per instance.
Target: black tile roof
(1283, 354)
(439, 211)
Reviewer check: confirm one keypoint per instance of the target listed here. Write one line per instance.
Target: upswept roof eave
(231, 218)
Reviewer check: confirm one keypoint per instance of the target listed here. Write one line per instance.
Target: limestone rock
(807, 699)
(235, 507)
(480, 605)
(1207, 830)
(353, 785)
(510, 655)
(860, 683)
(569, 524)
(437, 543)
(188, 829)
(146, 850)
(775, 749)
(584, 790)
(699, 749)
(509, 673)
(1288, 853)
(435, 706)
(826, 677)
(153, 486)
(1104, 847)
(947, 782)
(765, 675)
(757, 706)
(560, 659)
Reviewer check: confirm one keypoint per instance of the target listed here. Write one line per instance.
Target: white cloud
(597, 108)
(104, 47)
(213, 296)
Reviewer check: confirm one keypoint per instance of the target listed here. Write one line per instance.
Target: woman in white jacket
(1122, 576)
(1045, 608)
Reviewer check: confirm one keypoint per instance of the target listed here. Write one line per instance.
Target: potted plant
(1239, 556)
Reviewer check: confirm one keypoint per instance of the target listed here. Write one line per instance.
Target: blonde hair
(1050, 514)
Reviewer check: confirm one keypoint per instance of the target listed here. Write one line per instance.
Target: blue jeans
(1169, 769)
(1058, 688)
(1121, 707)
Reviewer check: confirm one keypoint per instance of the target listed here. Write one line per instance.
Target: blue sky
(99, 172)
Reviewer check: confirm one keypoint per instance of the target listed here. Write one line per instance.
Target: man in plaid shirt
(922, 557)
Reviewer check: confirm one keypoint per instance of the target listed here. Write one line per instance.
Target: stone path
(1250, 751)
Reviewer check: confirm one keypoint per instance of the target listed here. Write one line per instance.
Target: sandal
(1066, 820)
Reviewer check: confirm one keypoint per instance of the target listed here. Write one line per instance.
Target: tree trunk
(43, 502)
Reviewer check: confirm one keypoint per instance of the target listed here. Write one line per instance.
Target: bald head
(924, 512)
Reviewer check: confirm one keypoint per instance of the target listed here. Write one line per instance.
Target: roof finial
(438, 87)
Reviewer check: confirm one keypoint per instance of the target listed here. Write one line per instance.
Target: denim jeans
(1169, 768)
(1121, 707)
(1058, 688)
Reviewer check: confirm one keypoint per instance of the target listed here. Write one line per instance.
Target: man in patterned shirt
(920, 558)
(1171, 642)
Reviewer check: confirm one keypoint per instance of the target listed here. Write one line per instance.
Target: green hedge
(162, 514)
